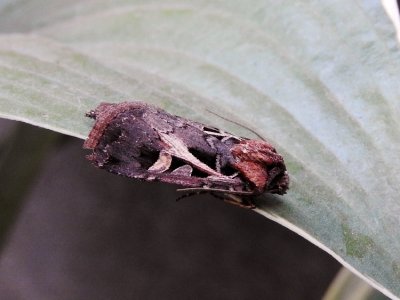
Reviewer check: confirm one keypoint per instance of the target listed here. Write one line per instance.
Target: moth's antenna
(237, 123)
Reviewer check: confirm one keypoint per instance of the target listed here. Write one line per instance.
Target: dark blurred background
(85, 234)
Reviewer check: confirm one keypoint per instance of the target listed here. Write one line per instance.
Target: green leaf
(320, 80)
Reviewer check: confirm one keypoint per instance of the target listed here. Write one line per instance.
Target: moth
(141, 141)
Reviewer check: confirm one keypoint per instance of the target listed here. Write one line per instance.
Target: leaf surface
(319, 80)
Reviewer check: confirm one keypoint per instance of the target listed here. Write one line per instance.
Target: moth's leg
(228, 198)
(190, 193)
(235, 200)
(238, 201)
